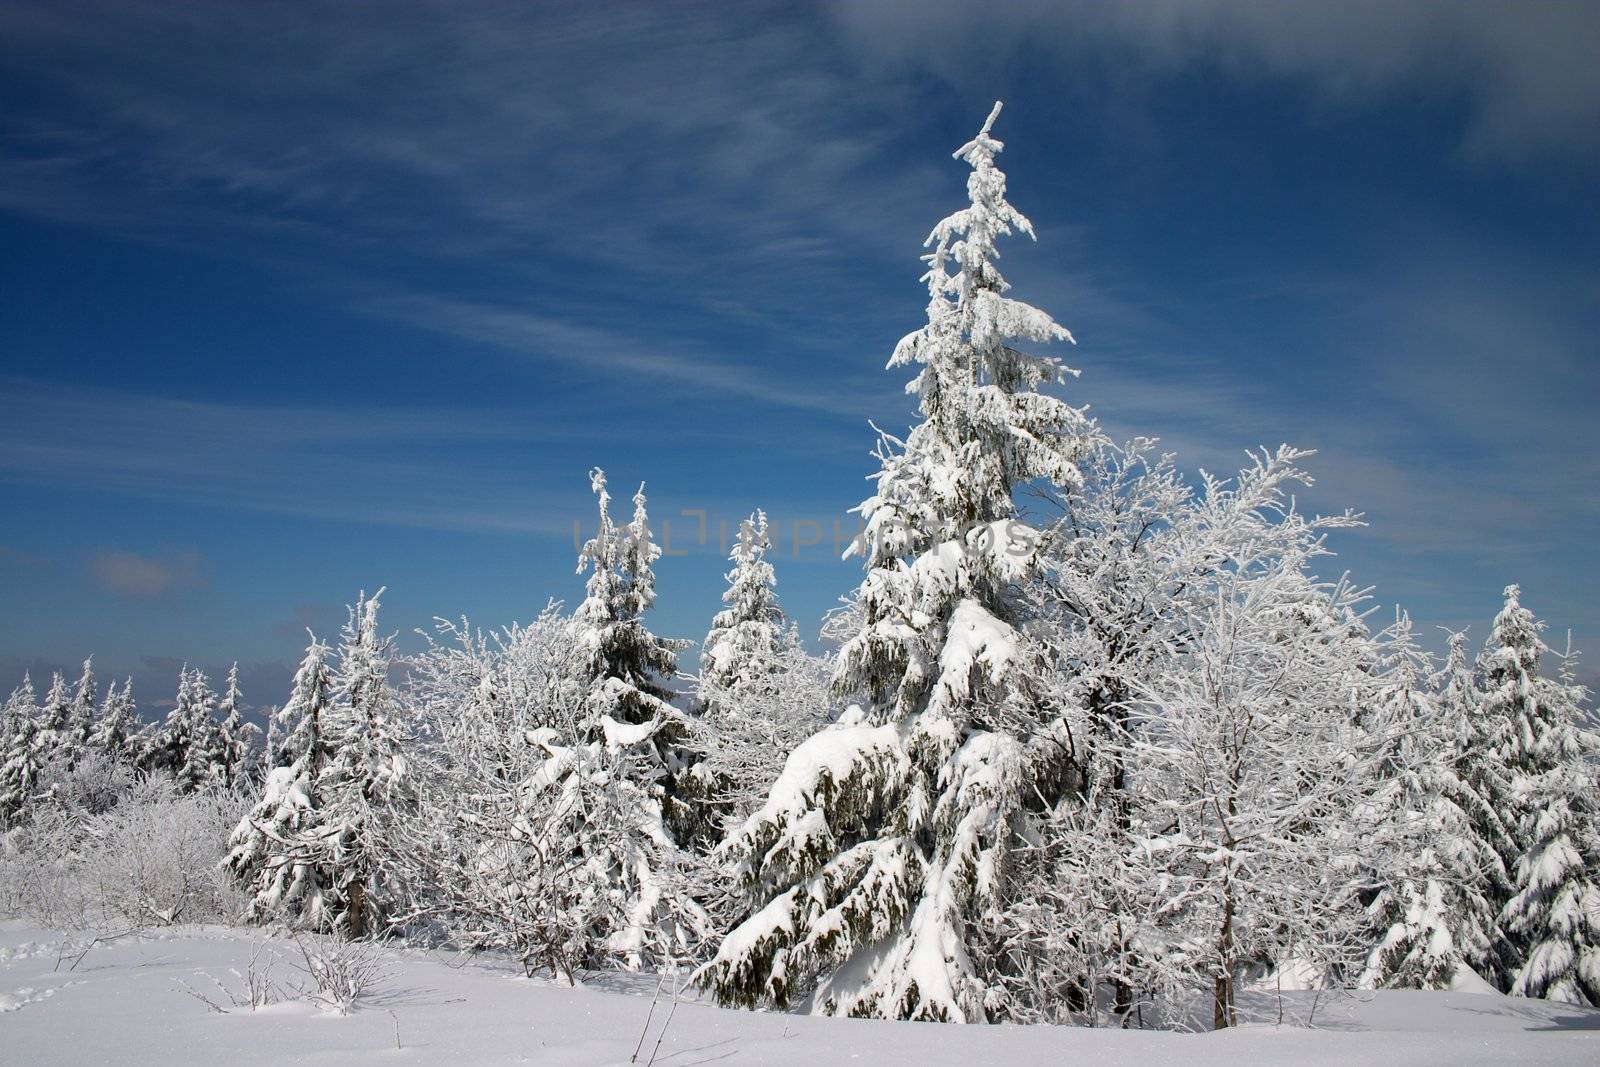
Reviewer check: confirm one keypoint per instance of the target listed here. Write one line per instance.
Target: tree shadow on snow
(672, 1058)
(394, 996)
(1538, 1020)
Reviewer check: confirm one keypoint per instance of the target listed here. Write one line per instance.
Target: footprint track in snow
(18, 999)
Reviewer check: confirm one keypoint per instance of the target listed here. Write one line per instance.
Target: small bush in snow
(341, 971)
(151, 860)
(257, 987)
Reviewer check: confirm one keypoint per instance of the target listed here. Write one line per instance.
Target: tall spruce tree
(628, 664)
(1505, 742)
(747, 635)
(279, 852)
(85, 695)
(887, 836)
(363, 781)
(20, 762)
(613, 799)
(57, 737)
(1553, 916)
(237, 738)
(118, 722)
(189, 745)
(1435, 917)
(300, 727)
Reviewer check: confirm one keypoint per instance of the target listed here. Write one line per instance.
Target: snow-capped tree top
(23, 698)
(1457, 694)
(196, 702)
(1514, 645)
(1404, 673)
(300, 724)
(638, 557)
(364, 658)
(85, 695)
(1510, 667)
(968, 237)
(117, 718)
(745, 636)
(228, 706)
(985, 426)
(57, 704)
(941, 543)
(361, 687)
(620, 589)
(602, 602)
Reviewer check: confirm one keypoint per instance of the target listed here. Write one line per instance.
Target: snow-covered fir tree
(886, 838)
(628, 752)
(276, 853)
(118, 723)
(759, 693)
(57, 739)
(1553, 918)
(628, 665)
(746, 635)
(85, 695)
(1508, 725)
(1556, 911)
(189, 744)
(23, 703)
(20, 762)
(1510, 666)
(1434, 915)
(612, 793)
(19, 773)
(362, 782)
(279, 851)
(1481, 786)
(237, 738)
(591, 817)
(300, 727)
(533, 834)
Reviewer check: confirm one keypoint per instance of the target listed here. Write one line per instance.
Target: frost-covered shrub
(342, 971)
(91, 785)
(158, 857)
(36, 862)
(532, 834)
(152, 859)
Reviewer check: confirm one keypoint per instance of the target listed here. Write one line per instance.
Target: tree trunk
(356, 916)
(1121, 990)
(1222, 1013)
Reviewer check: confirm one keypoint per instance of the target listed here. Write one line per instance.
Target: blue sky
(301, 299)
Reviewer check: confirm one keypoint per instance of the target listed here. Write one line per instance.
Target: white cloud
(139, 577)
(1526, 71)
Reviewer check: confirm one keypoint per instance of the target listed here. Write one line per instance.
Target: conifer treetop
(986, 427)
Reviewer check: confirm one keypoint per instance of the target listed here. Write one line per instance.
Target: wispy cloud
(140, 577)
(582, 346)
(343, 463)
(503, 469)
(1525, 72)
(464, 133)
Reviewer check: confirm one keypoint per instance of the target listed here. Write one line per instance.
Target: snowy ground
(123, 1003)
